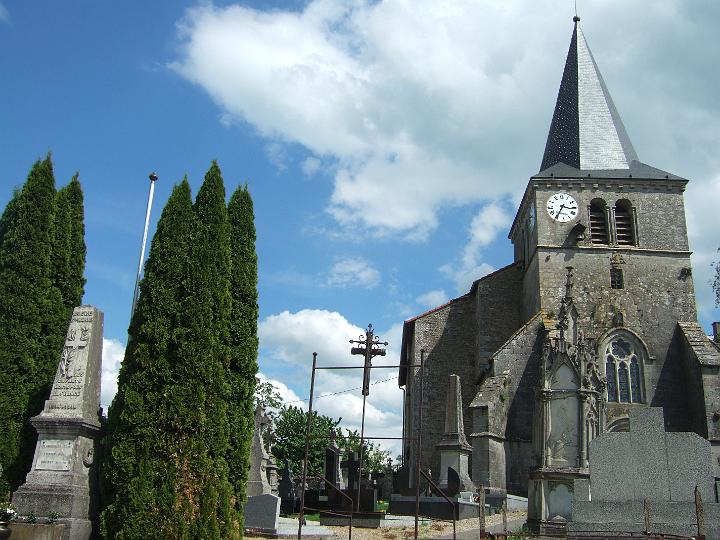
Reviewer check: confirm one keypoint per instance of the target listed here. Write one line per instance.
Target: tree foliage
(139, 491)
(33, 312)
(171, 426)
(374, 458)
(243, 339)
(289, 438)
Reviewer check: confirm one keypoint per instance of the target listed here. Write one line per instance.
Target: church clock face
(562, 207)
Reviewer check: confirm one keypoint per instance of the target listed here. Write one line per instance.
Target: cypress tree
(70, 239)
(243, 339)
(26, 293)
(166, 473)
(139, 486)
(208, 353)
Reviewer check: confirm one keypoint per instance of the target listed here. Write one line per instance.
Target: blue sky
(385, 144)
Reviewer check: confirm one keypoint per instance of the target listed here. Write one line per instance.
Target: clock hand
(560, 210)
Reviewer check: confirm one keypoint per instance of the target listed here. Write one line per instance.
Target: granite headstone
(262, 513)
(646, 468)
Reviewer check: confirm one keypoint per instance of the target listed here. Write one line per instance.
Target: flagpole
(153, 177)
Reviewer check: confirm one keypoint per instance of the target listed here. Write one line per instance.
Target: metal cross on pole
(369, 346)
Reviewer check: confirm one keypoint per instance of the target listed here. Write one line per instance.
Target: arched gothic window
(624, 223)
(599, 233)
(624, 360)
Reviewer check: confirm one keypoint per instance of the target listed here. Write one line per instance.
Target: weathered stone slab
(685, 474)
(646, 466)
(63, 474)
(262, 513)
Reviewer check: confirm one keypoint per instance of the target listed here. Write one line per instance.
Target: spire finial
(576, 19)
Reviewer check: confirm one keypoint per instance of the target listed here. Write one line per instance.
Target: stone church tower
(630, 336)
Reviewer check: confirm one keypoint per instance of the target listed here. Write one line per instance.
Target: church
(595, 316)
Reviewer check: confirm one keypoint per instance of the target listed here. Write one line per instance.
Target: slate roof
(586, 130)
(706, 352)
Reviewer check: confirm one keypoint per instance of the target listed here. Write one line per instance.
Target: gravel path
(434, 530)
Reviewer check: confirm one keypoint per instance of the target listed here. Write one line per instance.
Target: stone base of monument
(365, 520)
(36, 531)
(262, 513)
(432, 507)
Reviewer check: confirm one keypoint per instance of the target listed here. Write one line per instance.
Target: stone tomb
(646, 465)
(63, 474)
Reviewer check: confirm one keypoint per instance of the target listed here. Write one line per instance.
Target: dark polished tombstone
(286, 489)
(401, 482)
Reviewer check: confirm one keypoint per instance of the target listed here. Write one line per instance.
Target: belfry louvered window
(624, 223)
(598, 222)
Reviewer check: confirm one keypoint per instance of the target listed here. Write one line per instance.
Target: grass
(308, 517)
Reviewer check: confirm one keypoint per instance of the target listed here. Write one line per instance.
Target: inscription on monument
(54, 455)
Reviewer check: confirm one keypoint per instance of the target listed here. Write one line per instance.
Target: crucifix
(369, 347)
(73, 343)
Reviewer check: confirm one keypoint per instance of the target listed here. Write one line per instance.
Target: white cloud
(289, 339)
(276, 154)
(4, 15)
(353, 272)
(409, 113)
(310, 166)
(484, 228)
(432, 299)
(702, 219)
(112, 356)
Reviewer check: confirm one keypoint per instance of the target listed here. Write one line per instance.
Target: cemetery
(572, 393)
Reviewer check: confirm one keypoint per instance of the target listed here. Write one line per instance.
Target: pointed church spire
(586, 130)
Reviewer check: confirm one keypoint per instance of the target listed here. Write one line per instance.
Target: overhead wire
(343, 391)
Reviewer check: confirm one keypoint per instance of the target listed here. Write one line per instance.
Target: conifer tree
(26, 293)
(70, 242)
(208, 352)
(243, 339)
(140, 493)
(166, 473)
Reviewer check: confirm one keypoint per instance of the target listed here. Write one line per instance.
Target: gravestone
(386, 484)
(646, 468)
(262, 513)
(352, 466)
(332, 463)
(63, 477)
(258, 483)
(287, 490)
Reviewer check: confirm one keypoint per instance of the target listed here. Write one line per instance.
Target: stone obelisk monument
(63, 474)
(454, 448)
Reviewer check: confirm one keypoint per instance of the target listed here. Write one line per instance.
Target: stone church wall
(498, 299)
(655, 296)
(518, 361)
(448, 337)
